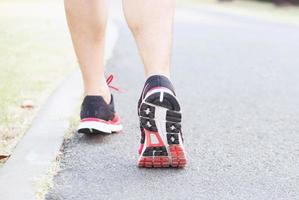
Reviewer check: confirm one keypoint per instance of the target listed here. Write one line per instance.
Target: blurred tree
(276, 2)
(283, 2)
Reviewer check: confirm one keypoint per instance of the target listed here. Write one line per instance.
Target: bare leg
(151, 22)
(87, 24)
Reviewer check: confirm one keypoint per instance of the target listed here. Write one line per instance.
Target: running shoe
(98, 117)
(160, 125)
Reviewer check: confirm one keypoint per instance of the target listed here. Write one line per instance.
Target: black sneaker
(98, 117)
(160, 125)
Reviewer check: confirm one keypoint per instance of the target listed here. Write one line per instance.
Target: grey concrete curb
(40, 145)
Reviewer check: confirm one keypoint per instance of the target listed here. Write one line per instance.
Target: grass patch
(74, 123)
(35, 56)
(45, 183)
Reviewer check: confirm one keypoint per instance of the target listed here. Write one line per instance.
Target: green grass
(35, 55)
(263, 10)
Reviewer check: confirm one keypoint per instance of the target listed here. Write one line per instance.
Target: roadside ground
(45, 62)
(35, 56)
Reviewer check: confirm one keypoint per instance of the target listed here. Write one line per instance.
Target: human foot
(98, 117)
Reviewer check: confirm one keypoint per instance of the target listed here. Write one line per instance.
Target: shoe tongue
(157, 81)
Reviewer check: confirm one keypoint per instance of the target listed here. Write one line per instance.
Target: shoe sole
(95, 126)
(160, 117)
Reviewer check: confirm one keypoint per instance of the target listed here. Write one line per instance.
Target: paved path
(238, 81)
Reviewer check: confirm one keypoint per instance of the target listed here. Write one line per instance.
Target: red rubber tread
(177, 159)
(150, 162)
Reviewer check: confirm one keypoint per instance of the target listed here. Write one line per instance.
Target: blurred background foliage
(276, 2)
(283, 2)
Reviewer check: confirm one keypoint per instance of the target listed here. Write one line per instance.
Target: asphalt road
(238, 82)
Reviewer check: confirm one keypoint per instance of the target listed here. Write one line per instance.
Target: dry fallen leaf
(27, 104)
(3, 156)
